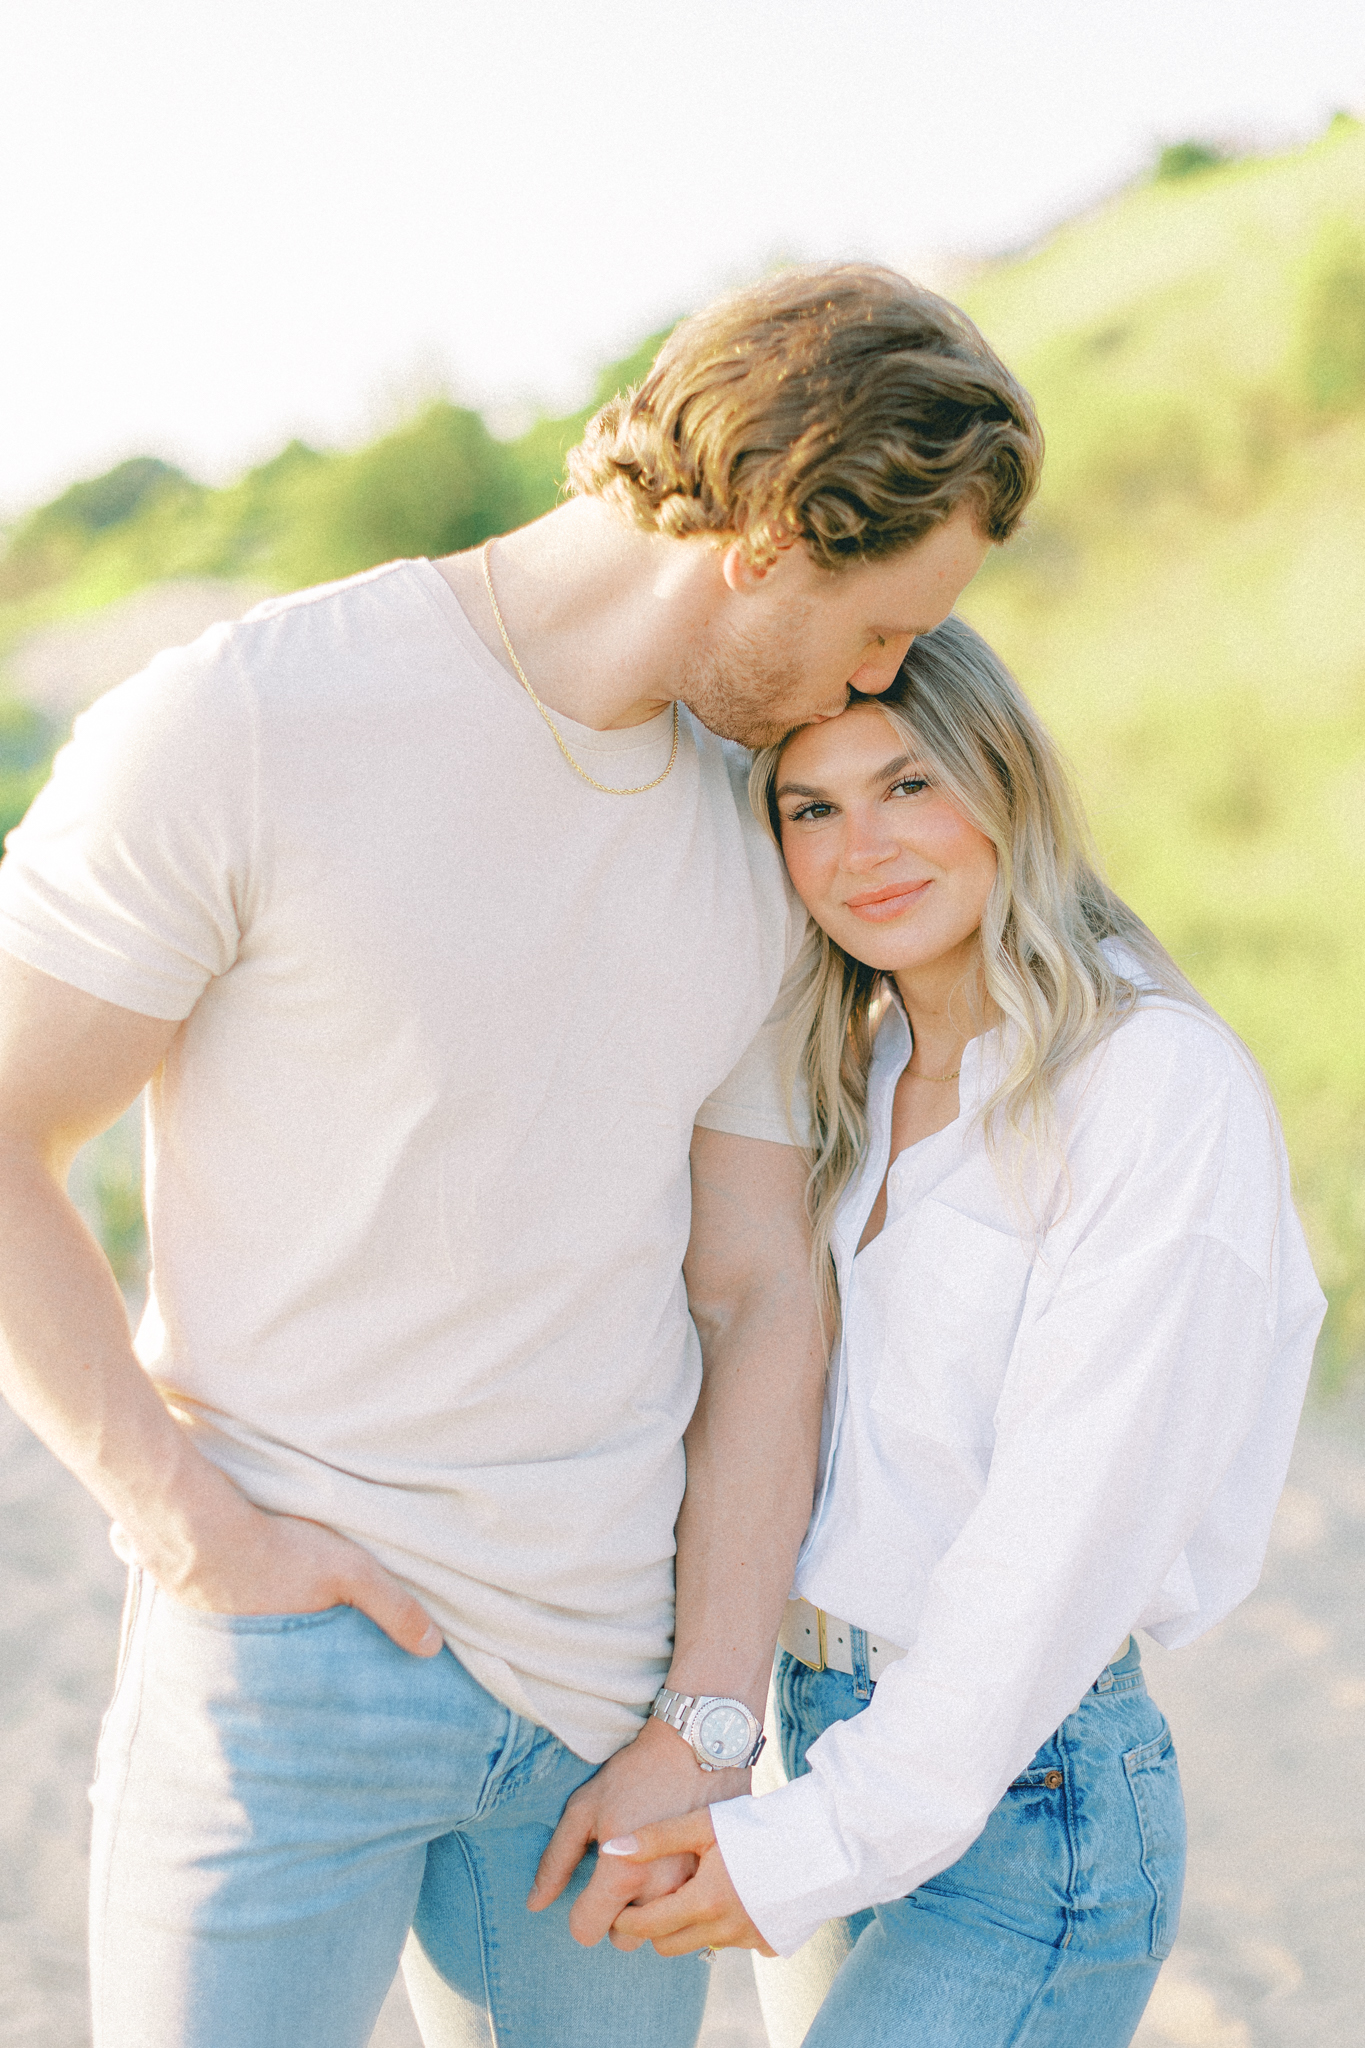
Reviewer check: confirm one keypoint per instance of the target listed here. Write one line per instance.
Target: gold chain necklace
(937, 1077)
(607, 788)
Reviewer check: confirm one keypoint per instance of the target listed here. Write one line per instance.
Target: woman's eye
(909, 785)
(808, 811)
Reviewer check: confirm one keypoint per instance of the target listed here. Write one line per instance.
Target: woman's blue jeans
(1048, 1933)
(279, 1798)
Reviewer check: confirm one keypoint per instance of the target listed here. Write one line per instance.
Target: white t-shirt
(417, 1174)
(1036, 1446)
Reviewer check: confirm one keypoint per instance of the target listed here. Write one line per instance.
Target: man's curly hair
(842, 406)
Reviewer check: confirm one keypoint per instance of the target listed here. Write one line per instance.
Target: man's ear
(746, 573)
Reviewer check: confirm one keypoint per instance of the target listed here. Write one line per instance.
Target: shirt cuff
(788, 1862)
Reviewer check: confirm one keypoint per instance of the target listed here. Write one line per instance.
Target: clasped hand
(663, 1881)
(704, 1912)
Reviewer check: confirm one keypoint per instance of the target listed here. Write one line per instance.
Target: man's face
(785, 644)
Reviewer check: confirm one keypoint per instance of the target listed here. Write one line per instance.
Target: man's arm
(751, 1456)
(754, 1437)
(69, 1065)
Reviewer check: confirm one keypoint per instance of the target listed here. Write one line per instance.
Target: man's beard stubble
(745, 690)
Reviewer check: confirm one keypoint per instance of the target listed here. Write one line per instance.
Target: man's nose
(879, 670)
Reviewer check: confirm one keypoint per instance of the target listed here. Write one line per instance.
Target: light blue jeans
(1048, 1933)
(279, 1798)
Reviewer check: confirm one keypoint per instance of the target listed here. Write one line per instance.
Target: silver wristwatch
(724, 1735)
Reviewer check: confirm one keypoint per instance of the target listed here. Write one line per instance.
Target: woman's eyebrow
(883, 774)
(796, 789)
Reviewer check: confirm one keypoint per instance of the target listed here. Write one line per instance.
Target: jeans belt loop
(1105, 1681)
(862, 1677)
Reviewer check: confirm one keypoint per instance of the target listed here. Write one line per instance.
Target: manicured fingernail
(432, 1641)
(621, 1845)
(533, 1894)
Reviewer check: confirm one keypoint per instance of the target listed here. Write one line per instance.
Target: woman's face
(882, 861)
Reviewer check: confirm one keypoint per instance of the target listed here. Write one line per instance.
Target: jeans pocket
(1154, 1779)
(132, 1602)
(132, 1606)
(252, 1624)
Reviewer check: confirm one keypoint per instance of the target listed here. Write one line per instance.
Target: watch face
(723, 1734)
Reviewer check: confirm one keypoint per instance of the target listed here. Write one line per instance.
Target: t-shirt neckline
(655, 734)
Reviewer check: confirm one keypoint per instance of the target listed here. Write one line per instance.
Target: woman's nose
(867, 841)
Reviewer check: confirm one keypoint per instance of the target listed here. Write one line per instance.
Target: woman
(1076, 1321)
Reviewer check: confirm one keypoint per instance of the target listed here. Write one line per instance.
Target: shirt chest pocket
(934, 1320)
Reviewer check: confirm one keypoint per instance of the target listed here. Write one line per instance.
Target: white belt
(826, 1644)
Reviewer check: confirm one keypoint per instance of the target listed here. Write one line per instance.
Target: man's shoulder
(391, 607)
(365, 643)
(379, 639)
(367, 590)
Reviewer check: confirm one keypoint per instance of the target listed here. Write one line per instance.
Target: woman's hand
(657, 1773)
(706, 1912)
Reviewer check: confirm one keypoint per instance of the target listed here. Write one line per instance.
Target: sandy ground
(1268, 1712)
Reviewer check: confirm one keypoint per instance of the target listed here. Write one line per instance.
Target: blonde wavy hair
(842, 406)
(963, 719)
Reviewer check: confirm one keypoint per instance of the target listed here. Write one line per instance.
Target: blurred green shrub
(25, 753)
(1187, 160)
(438, 485)
(51, 543)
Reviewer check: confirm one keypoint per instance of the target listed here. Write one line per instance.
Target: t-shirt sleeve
(127, 878)
(763, 1096)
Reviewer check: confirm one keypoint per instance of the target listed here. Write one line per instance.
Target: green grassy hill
(1187, 606)
(1188, 609)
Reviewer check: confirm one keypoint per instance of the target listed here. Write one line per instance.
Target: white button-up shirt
(1034, 1442)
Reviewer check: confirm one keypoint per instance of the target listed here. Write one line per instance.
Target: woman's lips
(881, 905)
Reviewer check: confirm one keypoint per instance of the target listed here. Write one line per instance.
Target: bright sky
(222, 225)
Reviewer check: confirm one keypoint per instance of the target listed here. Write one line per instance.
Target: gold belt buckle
(804, 1620)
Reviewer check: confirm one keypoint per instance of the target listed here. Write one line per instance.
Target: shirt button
(1052, 1780)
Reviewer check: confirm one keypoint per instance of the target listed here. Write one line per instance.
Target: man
(436, 926)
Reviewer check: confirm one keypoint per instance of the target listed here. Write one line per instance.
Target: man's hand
(655, 1774)
(706, 1912)
(282, 1564)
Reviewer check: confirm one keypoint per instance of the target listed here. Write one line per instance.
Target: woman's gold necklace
(937, 1077)
(607, 788)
